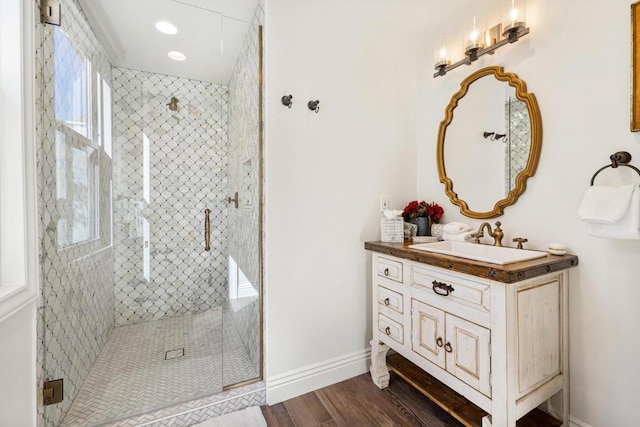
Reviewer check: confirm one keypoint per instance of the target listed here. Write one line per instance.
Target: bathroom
(370, 64)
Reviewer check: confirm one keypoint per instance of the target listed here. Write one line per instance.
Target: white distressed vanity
(495, 334)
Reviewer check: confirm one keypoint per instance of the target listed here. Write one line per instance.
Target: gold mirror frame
(534, 152)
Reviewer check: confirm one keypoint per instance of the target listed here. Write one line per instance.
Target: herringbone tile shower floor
(133, 374)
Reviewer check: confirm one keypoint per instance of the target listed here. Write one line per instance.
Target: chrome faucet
(496, 233)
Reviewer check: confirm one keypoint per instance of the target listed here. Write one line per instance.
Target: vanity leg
(379, 370)
(487, 421)
(558, 406)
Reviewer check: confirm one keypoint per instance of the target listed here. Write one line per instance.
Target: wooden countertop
(509, 273)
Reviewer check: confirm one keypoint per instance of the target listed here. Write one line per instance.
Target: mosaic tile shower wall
(244, 160)
(169, 166)
(75, 309)
(518, 144)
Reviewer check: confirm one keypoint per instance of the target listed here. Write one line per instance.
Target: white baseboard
(318, 375)
(575, 422)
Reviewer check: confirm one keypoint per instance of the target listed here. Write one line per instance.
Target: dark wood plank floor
(358, 402)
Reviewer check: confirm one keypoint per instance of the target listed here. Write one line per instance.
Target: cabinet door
(427, 332)
(468, 353)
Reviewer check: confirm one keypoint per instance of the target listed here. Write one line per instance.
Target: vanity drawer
(390, 299)
(391, 328)
(389, 269)
(452, 290)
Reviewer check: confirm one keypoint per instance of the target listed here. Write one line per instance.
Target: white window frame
(18, 190)
(99, 139)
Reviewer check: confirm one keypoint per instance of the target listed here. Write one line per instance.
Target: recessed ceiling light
(166, 27)
(177, 56)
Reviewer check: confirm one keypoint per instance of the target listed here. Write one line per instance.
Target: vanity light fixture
(515, 21)
(480, 42)
(166, 27)
(474, 41)
(442, 60)
(177, 56)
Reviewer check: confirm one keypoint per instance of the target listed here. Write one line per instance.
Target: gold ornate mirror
(486, 154)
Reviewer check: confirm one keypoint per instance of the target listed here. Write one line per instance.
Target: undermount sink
(484, 253)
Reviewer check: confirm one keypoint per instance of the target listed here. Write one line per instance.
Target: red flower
(435, 212)
(417, 209)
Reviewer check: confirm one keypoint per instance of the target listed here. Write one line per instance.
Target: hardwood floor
(358, 402)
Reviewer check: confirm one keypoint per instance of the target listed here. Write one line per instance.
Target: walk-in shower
(141, 317)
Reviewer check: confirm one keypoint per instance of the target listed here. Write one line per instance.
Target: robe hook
(313, 105)
(287, 101)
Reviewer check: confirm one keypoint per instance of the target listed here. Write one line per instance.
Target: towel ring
(621, 158)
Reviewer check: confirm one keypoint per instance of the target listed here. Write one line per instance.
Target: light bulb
(513, 15)
(166, 27)
(177, 56)
(443, 53)
(474, 36)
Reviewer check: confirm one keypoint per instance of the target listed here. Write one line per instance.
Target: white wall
(17, 367)
(325, 173)
(18, 236)
(577, 62)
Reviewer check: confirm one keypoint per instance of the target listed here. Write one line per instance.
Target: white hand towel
(456, 228)
(606, 204)
(459, 237)
(627, 227)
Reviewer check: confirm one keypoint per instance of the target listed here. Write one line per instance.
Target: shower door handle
(207, 230)
(234, 200)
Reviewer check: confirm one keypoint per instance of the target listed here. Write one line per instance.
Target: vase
(424, 225)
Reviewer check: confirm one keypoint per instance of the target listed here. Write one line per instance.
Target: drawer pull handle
(446, 288)
(387, 330)
(448, 348)
(387, 302)
(386, 272)
(439, 342)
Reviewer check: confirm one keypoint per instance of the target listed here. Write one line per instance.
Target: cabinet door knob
(387, 302)
(439, 341)
(387, 330)
(448, 348)
(445, 287)
(386, 271)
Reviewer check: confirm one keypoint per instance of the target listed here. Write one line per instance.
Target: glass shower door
(243, 325)
(74, 173)
(132, 302)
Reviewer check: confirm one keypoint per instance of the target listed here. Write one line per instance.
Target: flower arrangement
(417, 209)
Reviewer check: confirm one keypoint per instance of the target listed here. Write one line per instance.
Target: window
(82, 146)
(77, 191)
(72, 85)
(106, 117)
(18, 237)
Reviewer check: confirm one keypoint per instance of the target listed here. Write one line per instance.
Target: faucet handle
(476, 236)
(498, 234)
(520, 241)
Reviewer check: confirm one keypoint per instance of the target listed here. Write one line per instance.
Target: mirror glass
(486, 142)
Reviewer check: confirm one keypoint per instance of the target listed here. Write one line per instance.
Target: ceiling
(210, 34)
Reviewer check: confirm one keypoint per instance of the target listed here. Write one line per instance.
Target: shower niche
(138, 320)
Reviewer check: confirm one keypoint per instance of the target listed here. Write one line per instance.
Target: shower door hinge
(52, 392)
(50, 12)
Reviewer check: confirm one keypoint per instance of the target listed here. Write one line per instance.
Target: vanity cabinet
(460, 347)
(497, 335)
